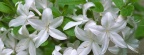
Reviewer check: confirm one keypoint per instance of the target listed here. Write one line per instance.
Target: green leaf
(4, 8)
(68, 10)
(127, 10)
(71, 2)
(15, 30)
(15, 1)
(56, 12)
(94, 0)
(119, 3)
(70, 32)
(45, 43)
(98, 7)
(140, 30)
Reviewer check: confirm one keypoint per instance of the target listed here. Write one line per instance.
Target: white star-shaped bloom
(109, 31)
(80, 19)
(27, 42)
(90, 42)
(25, 16)
(48, 27)
(3, 50)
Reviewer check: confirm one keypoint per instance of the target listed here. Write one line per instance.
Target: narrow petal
(32, 48)
(84, 48)
(119, 24)
(70, 51)
(23, 31)
(22, 53)
(58, 48)
(105, 44)
(56, 51)
(133, 48)
(80, 34)
(78, 18)
(22, 9)
(98, 31)
(7, 52)
(57, 34)
(96, 49)
(47, 15)
(41, 38)
(22, 45)
(133, 44)
(71, 24)
(37, 24)
(107, 20)
(18, 21)
(29, 3)
(1, 44)
(86, 7)
(114, 49)
(56, 22)
(89, 24)
(117, 39)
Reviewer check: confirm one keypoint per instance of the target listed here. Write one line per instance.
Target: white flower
(30, 4)
(25, 16)
(27, 42)
(80, 19)
(56, 51)
(109, 30)
(70, 51)
(3, 50)
(48, 27)
(131, 41)
(67, 51)
(90, 42)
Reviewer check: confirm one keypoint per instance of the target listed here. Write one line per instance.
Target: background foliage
(8, 12)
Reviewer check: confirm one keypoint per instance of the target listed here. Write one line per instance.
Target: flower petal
(22, 53)
(105, 44)
(57, 34)
(70, 51)
(107, 20)
(80, 34)
(22, 45)
(114, 49)
(78, 18)
(119, 24)
(7, 52)
(56, 22)
(47, 15)
(37, 24)
(133, 44)
(89, 24)
(29, 3)
(18, 21)
(22, 9)
(1, 44)
(32, 48)
(86, 7)
(96, 49)
(117, 39)
(84, 48)
(56, 51)
(71, 24)
(41, 38)
(23, 31)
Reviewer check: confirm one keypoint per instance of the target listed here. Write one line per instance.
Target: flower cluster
(94, 33)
